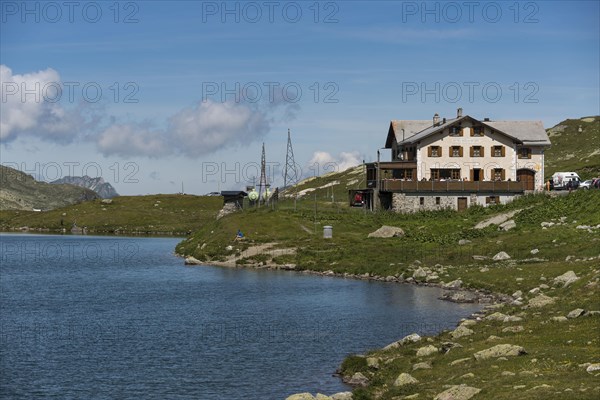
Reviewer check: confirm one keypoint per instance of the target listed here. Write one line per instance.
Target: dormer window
(477, 131)
(456, 131)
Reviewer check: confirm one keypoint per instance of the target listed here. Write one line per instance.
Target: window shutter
(472, 129)
(502, 176)
(492, 175)
(503, 151)
(429, 150)
(439, 151)
(460, 151)
(472, 151)
(487, 200)
(460, 132)
(492, 152)
(472, 175)
(528, 153)
(481, 153)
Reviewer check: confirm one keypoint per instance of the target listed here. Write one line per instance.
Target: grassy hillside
(19, 191)
(573, 150)
(155, 214)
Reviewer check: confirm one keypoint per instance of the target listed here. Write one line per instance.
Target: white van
(561, 179)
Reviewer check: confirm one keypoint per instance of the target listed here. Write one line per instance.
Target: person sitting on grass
(239, 235)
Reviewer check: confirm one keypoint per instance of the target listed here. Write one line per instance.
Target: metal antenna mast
(290, 164)
(262, 185)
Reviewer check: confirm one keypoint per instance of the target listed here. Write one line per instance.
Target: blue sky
(160, 105)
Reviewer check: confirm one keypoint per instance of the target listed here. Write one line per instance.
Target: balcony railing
(396, 185)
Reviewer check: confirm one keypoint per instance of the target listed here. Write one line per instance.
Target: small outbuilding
(235, 197)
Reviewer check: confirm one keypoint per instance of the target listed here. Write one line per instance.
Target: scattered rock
(447, 346)
(459, 361)
(456, 284)
(566, 279)
(508, 225)
(547, 224)
(229, 248)
(460, 297)
(468, 375)
(419, 274)
(192, 261)
(497, 316)
(358, 379)
(507, 373)
(513, 329)
(422, 365)
(458, 392)
(501, 256)
(387, 232)
(427, 351)
(461, 331)
(107, 201)
(405, 379)
(479, 258)
(517, 294)
(412, 338)
(301, 396)
(500, 350)
(462, 242)
(540, 301)
(534, 251)
(342, 396)
(373, 362)
(576, 313)
(593, 368)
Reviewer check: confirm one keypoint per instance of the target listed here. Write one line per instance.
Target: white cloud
(324, 162)
(26, 107)
(212, 126)
(199, 130)
(132, 140)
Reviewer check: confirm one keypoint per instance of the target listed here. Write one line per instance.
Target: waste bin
(327, 232)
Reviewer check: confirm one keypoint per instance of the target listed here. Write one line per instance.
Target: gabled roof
(411, 127)
(233, 193)
(528, 132)
(522, 132)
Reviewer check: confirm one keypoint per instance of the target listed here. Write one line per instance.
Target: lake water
(106, 317)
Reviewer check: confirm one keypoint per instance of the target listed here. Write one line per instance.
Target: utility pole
(262, 184)
(290, 164)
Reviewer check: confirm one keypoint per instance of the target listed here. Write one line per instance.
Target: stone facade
(409, 203)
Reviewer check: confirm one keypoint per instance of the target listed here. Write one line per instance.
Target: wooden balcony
(396, 185)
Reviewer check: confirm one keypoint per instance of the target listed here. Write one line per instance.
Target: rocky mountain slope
(20, 191)
(104, 189)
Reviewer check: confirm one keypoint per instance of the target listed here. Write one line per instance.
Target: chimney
(436, 119)
(459, 113)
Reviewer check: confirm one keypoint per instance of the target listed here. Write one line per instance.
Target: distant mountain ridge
(104, 189)
(20, 191)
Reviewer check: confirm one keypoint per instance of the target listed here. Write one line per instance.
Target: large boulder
(358, 379)
(427, 351)
(419, 274)
(461, 331)
(566, 279)
(500, 350)
(387, 232)
(342, 396)
(540, 301)
(501, 256)
(405, 379)
(508, 225)
(458, 392)
(192, 261)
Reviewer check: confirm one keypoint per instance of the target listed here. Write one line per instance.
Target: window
(456, 131)
(476, 151)
(445, 173)
(492, 200)
(437, 201)
(477, 131)
(498, 151)
(498, 174)
(524, 152)
(456, 151)
(422, 201)
(434, 151)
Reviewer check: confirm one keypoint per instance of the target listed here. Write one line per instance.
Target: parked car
(586, 184)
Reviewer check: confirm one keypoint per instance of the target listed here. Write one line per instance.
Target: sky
(156, 95)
